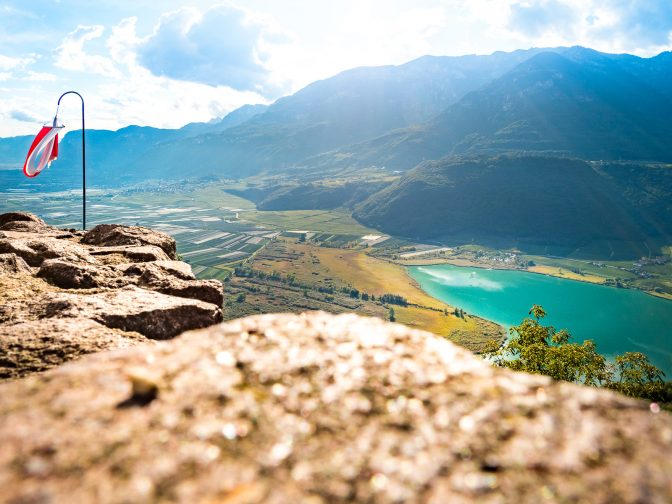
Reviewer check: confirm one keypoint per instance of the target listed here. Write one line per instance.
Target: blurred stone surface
(317, 408)
(90, 297)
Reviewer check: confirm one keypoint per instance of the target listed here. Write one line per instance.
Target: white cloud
(537, 18)
(641, 27)
(145, 99)
(123, 41)
(40, 76)
(11, 63)
(70, 55)
(223, 46)
(146, 68)
(22, 116)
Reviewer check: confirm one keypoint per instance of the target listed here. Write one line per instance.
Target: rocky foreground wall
(310, 408)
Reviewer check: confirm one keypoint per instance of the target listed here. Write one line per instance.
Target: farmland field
(327, 221)
(324, 267)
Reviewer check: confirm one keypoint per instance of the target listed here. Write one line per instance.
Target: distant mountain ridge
(575, 102)
(568, 101)
(110, 153)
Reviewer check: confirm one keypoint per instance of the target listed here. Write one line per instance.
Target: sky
(165, 63)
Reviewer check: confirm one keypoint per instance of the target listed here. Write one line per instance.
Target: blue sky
(169, 62)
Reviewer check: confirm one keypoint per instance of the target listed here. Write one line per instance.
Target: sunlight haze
(169, 63)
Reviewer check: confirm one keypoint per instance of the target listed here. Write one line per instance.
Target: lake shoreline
(617, 320)
(466, 263)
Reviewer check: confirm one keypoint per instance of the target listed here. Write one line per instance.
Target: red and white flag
(43, 150)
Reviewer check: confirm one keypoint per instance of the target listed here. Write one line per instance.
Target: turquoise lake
(617, 320)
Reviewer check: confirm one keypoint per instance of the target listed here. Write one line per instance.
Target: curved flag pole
(83, 154)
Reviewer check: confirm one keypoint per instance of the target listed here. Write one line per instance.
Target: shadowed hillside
(529, 201)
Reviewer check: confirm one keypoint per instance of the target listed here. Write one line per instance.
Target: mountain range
(573, 101)
(547, 120)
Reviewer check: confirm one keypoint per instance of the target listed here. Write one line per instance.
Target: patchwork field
(203, 219)
(325, 221)
(322, 267)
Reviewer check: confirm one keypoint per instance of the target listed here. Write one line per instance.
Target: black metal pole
(83, 154)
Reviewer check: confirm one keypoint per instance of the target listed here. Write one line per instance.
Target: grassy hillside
(541, 204)
(312, 196)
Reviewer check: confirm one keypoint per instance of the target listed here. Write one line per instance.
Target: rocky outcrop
(140, 253)
(11, 263)
(320, 408)
(30, 347)
(22, 222)
(113, 234)
(65, 298)
(209, 291)
(35, 250)
(16, 217)
(69, 275)
(152, 314)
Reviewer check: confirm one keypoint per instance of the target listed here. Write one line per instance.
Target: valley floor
(318, 259)
(291, 276)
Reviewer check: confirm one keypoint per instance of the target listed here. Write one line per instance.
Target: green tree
(535, 348)
(391, 315)
(637, 377)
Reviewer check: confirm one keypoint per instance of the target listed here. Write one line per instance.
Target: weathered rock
(11, 263)
(64, 262)
(8, 217)
(177, 269)
(210, 291)
(152, 314)
(69, 275)
(318, 408)
(36, 250)
(144, 253)
(114, 234)
(25, 223)
(36, 346)
(26, 227)
(20, 296)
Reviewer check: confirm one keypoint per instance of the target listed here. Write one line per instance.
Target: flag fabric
(43, 150)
